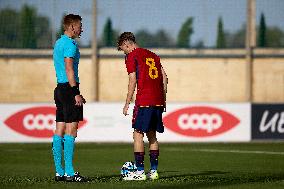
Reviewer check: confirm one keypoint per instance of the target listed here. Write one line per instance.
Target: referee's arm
(71, 78)
(70, 71)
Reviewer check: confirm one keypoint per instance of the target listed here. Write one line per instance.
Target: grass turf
(181, 165)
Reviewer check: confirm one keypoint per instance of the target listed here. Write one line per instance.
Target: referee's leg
(69, 140)
(57, 143)
(57, 148)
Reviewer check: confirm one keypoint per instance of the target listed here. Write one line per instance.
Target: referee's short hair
(125, 36)
(70, 19)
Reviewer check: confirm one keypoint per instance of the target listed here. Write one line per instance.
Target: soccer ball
(127, 168)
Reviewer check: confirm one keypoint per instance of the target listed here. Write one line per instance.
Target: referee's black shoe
(59, 178)
(76, 178)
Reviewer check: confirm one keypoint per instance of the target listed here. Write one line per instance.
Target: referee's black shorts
(66, 110)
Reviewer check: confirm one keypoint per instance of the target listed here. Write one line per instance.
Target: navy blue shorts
(147, 119)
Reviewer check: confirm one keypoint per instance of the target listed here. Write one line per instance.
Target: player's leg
(139, 157)
(138, 135)
(156, 125)
(139, 150)
(153, 149)
(154, 154)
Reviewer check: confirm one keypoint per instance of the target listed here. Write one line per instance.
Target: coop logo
(35, 122)
(200, 121)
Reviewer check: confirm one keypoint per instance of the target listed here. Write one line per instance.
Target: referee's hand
(84, 100)
(79, 100)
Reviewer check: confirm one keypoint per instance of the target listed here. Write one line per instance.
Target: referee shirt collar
(66, 36)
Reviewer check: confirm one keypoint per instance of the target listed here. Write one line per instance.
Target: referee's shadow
(104, 178)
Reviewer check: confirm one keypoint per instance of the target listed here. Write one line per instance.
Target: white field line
(238, 151)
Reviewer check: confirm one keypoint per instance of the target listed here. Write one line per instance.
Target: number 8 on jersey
(151, 63)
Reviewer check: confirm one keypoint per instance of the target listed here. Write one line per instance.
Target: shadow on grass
(105, 178)
(203, 173)
(116, 178)
(204, 179)
(168, 179)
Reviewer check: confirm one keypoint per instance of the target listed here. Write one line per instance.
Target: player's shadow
(207, 179)
(203, 173)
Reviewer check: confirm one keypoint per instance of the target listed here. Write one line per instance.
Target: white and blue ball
(127, 168)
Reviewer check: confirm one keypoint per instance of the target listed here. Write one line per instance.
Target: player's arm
(165, 84)
(71, 79)
(131, 89)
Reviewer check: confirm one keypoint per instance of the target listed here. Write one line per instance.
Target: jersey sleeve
(130, 64)
(70, 50)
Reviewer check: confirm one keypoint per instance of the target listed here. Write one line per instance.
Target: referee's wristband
(75, 90)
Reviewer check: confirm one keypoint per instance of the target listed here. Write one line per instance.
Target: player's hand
(125, 109)
(78, 100)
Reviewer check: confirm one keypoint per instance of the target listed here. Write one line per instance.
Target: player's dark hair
(125, 36)
(70, 19)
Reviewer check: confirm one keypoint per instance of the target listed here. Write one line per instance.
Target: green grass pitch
(181, 165)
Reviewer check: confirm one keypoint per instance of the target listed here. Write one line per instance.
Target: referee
(69, 102)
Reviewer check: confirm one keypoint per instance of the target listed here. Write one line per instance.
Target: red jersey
(146, 64)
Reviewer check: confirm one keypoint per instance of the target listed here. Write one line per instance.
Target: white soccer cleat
(153, 175)
(135, 176)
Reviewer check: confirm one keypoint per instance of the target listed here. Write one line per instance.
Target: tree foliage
(185, 33)
(28, 27)
(262, 35)
(275, 37)
(269, 36)
(221, 41)
(24, 29)
(109, 38)
(199, 44)
(236, 39)
(43, 32)
(159, 39)
(9, 30)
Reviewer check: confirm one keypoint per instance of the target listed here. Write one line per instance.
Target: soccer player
(69, 102)
(146, 72)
